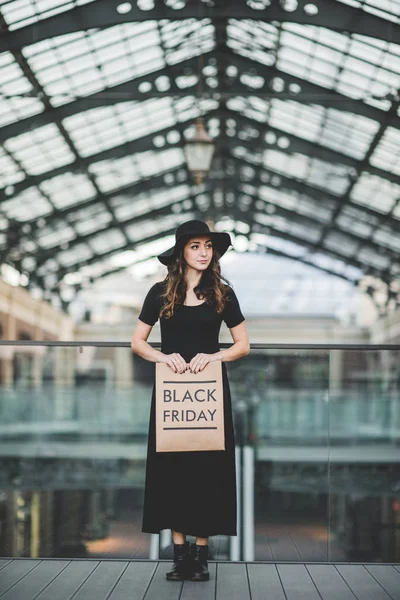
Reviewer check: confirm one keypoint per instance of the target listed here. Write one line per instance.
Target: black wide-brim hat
(220, 239)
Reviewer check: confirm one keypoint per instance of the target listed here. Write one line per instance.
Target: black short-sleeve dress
(191, 492)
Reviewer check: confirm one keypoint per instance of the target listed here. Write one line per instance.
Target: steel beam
(124, 92)
(103, 14)
(305, 147)
(128, 91)
(272, 251)
(43, 255)
(375, 218)
(157, 182)
(157, 214)
(363, 166)
(146, 143)
(312, 223)
(309, 246)
(99, 257)
(235, 214)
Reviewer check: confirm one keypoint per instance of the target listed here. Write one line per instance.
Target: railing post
(154, 546)
(235, 541)
(165, 539)
(248, 503)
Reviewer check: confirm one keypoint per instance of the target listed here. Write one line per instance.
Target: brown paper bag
(189, 409)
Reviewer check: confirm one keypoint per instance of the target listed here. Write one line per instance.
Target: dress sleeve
(151, 306)
(232, 315)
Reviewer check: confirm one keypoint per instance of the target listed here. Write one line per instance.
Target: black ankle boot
(200, 566)
(179, 569)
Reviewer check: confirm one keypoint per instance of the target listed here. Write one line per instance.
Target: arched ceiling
(97, 96)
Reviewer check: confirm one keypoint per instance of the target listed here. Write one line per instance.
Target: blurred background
(275, 120)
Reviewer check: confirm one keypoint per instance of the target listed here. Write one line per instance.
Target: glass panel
(287, 422)
(364, 424)
(73, 438)
(317, 456)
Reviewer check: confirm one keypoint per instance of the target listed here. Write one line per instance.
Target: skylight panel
(10, 173)
(14, 109)
(6, 59)
(119, 173)
(294, 165)
(375, 192)
(68, 189)
(299, 204)
(387, 237)
(151, 163)
(389, 9)
(278, 197)
(277, 161)
(253, 111)
(187, 32)
(353, 84)
(107, 240)
(46, 50)
(201, 41)
(330, 176)
(293, 117)
(251, 34)
(318, 209)
(138, 231)
(390, 60)
(21, 13)
(113, 174)
(55, 235)
(311, 233)
(77, 254)
(27, 206)
(125, 207)
(91, 225)
(149, 228)
(186, 108)
(106, 127)
(340, 243)
(93, 212)
(95, 269)
(316, 58)
(12, 81)
(81, 63)
(347, 222)
(93, 61)
(328, 262)
(369, 256)
(40, 150)
(387, 154)
(348, 133)
(285, 246)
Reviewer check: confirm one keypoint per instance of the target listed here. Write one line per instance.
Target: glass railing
(318, 453)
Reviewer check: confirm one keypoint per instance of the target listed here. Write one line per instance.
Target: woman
(191, 493)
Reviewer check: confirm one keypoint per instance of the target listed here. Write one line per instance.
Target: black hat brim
(221, 241)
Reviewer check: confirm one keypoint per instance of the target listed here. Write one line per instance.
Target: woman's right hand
(175, 362)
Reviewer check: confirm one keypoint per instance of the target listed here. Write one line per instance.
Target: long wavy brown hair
(211, 286)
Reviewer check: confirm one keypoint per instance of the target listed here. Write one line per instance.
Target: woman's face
(198, 252)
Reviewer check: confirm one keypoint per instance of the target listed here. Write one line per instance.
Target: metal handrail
(253, 346)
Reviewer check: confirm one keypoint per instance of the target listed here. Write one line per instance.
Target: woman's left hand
(200, 361)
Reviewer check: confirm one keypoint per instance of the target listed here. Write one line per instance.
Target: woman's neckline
(194, 305)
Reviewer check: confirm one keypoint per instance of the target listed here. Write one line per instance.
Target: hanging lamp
(199, 151)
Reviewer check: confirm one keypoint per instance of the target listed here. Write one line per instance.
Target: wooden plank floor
(46, 579)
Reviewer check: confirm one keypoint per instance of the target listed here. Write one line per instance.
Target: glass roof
(92, 125)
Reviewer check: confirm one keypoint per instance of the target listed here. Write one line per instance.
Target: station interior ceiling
(97, 98)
